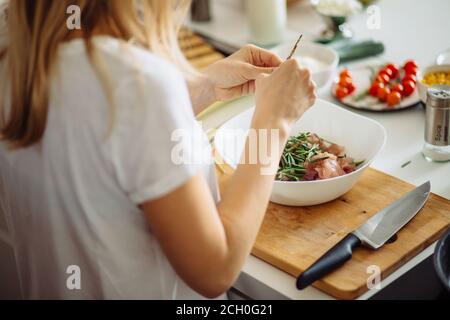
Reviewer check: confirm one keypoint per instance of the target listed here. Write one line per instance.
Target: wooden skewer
(294, 49)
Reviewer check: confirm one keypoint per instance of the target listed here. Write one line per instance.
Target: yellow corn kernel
(436, 78)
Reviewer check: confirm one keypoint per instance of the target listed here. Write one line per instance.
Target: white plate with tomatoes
(385, 87)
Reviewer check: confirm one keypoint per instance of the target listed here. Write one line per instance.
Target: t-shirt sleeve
(156, 143)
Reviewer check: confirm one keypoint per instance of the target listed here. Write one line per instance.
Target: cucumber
(357, 50)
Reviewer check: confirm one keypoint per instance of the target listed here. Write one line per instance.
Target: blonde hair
(38, 27)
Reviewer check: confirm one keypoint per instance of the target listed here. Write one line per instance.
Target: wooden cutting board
(292, 238)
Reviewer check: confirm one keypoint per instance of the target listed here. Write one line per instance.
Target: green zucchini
(357, 50)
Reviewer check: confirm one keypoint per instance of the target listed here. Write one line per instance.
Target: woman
(95, 204)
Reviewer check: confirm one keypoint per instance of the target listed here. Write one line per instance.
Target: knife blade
(374, 233)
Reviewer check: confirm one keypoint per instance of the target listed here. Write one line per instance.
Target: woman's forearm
(207, 244)
(245, 200)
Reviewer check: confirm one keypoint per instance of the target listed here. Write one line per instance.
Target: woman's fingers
(283, 96)
(261, 57)
(251, 72)
(235, 76)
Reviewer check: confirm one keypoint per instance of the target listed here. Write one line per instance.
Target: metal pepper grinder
(437, 125)
(200, 11)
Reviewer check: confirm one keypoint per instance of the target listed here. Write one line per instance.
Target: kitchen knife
(374, 233)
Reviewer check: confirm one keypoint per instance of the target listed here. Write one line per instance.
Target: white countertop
(416, 30)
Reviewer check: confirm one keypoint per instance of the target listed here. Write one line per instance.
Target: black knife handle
(334, 258)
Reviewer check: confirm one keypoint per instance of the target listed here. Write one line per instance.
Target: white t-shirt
(72, 199)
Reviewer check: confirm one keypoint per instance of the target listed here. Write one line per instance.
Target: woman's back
(71, 201)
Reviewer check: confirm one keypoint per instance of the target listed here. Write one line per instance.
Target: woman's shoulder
(135, 59)
(131, 71)
(123, 61)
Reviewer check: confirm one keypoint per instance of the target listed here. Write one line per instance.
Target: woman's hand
(283, 96)
(235, 76)
(232, 77)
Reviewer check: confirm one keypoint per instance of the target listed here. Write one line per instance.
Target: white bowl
(423, 88)
(443, 58)
(362, 137)
(329, 57)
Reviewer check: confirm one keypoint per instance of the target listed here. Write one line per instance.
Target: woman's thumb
(262, 76)
(252, 72)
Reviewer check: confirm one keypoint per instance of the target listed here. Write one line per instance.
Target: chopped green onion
(406, 164)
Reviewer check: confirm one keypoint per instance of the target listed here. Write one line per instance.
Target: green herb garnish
(358, 163)
(300, 149)
(406, 164)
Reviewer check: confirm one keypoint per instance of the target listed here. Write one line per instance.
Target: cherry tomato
(383, 93)
(394, 68)
(393, 98)
(373, 91)
(341, 92)
(409, 65)
(410, 77)
(408, 88)
(345, 73)
(387, 72)
(345, 82)
(397, 88)
(383, 78)
(411, 71)
(351, 88)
